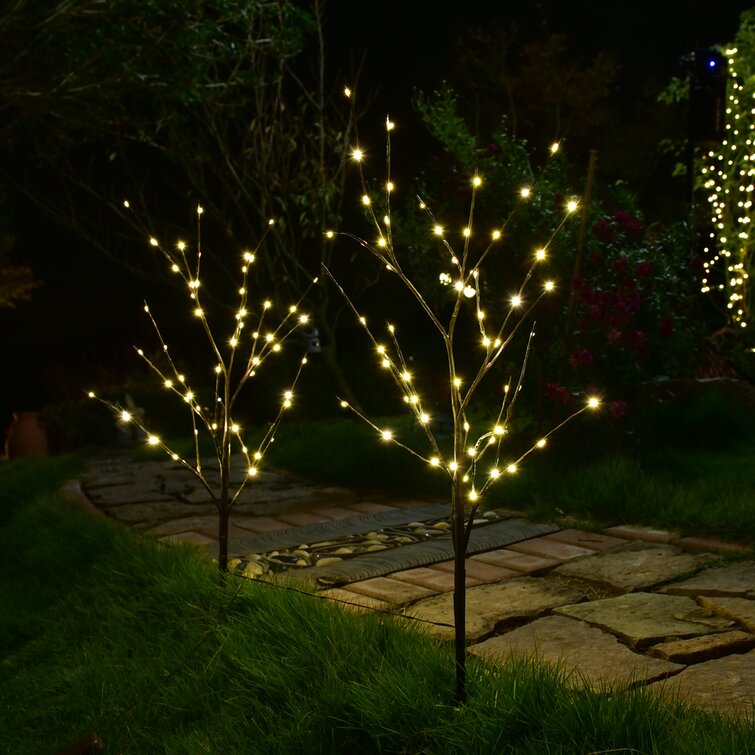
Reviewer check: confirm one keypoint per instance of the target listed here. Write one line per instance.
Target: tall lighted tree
(478, 456)
(249, 339)
(728, 176)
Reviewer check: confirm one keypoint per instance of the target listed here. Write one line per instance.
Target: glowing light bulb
(438, 230)
(435, 461)
(389, 124)
(477, 181)
(512, 468)
(424, 418)
(525, 192)
(473, 495)
(390, 186)
(235, 428)
(554, 148)
(365, 200)
(329, 234)
(572, 205)
(153, 242)
(494, 472)
(541, 443)
(549, 285)
(347, 92)
(593, 402)
(198, 312)
(386, 435)
(457, 382)
(153, 440)
(200, 209)
(125, 416)
(252, 471)
(357, 154)
(181, 246)
(540, 255)
(496, 235)
(516, 301)
(466, 232)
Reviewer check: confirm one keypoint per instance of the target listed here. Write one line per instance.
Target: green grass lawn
(104, 630)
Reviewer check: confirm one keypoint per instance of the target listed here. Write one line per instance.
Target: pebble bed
(326, 552)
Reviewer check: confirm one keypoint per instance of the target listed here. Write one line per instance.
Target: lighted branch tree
(478, 457)
(728, 176)
(237, 358)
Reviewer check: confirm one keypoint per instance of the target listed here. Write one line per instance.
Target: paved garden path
(629, 606)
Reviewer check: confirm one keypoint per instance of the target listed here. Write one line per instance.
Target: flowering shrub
(631, 313)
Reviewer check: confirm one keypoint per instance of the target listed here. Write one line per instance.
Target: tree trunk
(334, 368)
(460, 590)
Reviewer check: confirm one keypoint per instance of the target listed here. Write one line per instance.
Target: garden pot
(25, 436)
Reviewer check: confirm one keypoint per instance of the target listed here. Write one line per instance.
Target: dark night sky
(408, 43)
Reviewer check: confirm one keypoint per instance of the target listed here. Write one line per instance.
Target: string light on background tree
(728, 176)
(236, 358)
(479, 454)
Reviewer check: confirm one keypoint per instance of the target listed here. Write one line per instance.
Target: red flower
(644, 269)
(620, 265)
(580, 358)
(630, 225)
(602, 231)
(618, 409)
(558, 394)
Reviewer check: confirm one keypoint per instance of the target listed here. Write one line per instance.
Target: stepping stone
(185, 524)
(491, 607)
(736, 581)
(479, 571)
(740, 610)
(638, 566)
(540, 546)
(520, 562)
(710, 545)
(117, 496)
(151, 512)
(260, 524)
(365, 507)
(194, 538)
(390, 590)
(643, 618)
(353, 600)
(301, 519)
(431, 578)
(631, 532)
(591, 540)
(726, 685)
(704, 648)
(334, 512)
(587, 656)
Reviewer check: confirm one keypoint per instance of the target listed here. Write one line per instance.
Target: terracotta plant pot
(26, 435)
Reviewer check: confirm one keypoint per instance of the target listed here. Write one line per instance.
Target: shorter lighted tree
(237, 359)
(478, 457)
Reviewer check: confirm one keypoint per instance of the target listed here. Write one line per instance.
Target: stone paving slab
(127, 494)
(631, 532)
(704, 648)
(349, 599)
(520, 562)
(735, 581)
(583, 539)
(479, 570)
(740, 610)
(637, 566)
(365, 507)
(334, 512)
(260, 524)
(259, 493)
(390, 590)
(644, 618)
(157, 511)
(709, 545)
(490, 607)
(540, 546)
(586, 655)
(726, 685)
(301, 519)
(195, 538)
(432, 579)
(185, 524)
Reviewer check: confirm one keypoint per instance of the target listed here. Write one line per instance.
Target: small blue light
(712, 63)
